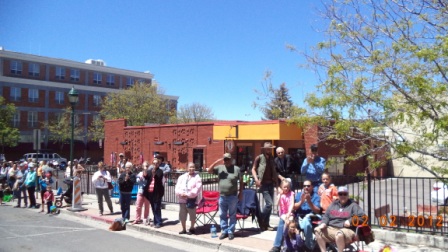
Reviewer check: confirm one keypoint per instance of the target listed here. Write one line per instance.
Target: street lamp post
(73, 98)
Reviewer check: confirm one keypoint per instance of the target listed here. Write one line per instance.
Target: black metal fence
(393, 203)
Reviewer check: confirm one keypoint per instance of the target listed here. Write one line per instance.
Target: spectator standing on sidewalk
(284, 166)
(327, 192)
(313, 167)
(77, 169)
(126, 183)
(121, 164)
(265, 176)
(229, 193)
(11, 176)
(188, 190)
(30, 184)
(20, 187)
(49, 198)
(100, 180)
(44, 182)
(154, 191)
(142, 201)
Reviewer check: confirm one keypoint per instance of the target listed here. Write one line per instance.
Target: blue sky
(212, 52)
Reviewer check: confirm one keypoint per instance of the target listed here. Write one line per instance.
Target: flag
(141, 158)
(112, 158)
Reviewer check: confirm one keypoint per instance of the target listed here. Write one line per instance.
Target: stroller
(66, 196)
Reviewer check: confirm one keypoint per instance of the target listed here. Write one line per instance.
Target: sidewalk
(249, 239)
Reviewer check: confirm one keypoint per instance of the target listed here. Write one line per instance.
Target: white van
(36, 157)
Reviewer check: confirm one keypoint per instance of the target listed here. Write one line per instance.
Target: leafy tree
(96, 129)
(383, 79)
(60, 130)
(194, 112)
(279, 104)
(9, 135)
(139, 104)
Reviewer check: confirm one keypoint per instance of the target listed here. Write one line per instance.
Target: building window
(97, 78)
(16, 119)
(32, 119)
(96, 100)
(16, 67)
(74, 74)
(129, 81)
(33, 69)
(33, 95)
(110, 80)
(336, 165)
(60, 73)
(15, 94)
(59, 97)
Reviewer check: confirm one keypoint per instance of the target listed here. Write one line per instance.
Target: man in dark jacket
(284, 165)
(154, 190)
(265, 176)
(126, 183)
(337, 223)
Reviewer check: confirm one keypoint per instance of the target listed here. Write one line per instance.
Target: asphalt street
(27, 230)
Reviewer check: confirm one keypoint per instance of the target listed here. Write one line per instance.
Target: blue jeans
(305, 225)
(125, 200)
(279, 234)
(268, 195)
(156, 206)
(227, 204)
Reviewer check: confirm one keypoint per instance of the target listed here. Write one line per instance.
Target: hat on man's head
(128, 164)
(75, 160)
(31, 165)
(313, 147)
(342, 189)
(121, 155)
(268, 145)
(227, 155)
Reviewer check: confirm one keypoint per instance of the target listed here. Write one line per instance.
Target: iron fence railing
(393, 203)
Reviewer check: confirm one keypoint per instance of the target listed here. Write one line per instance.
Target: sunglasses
(306, 185)
(342, 194)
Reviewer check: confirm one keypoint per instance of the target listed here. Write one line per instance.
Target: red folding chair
(207, 208)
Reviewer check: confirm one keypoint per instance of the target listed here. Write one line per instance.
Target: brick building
(38, 86)
(203, 143)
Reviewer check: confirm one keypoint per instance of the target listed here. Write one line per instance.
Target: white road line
(39, 226)
(42, 234)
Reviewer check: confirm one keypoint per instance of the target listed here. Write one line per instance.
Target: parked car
(49, 157)
(439, 193)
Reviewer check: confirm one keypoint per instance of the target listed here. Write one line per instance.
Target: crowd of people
(24, 182)
(318, 200)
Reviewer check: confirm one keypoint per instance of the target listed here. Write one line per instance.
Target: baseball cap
(342, 189)
(227, 155)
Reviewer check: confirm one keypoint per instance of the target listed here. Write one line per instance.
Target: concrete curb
(381, 235)
(211, 244)
(388, 236)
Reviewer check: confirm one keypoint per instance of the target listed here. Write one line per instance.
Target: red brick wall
(142, 140)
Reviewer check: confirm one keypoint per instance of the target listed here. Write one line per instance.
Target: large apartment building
(39, 86)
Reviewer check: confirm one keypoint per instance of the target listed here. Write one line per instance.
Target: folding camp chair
(248, 207)
(207, 208)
